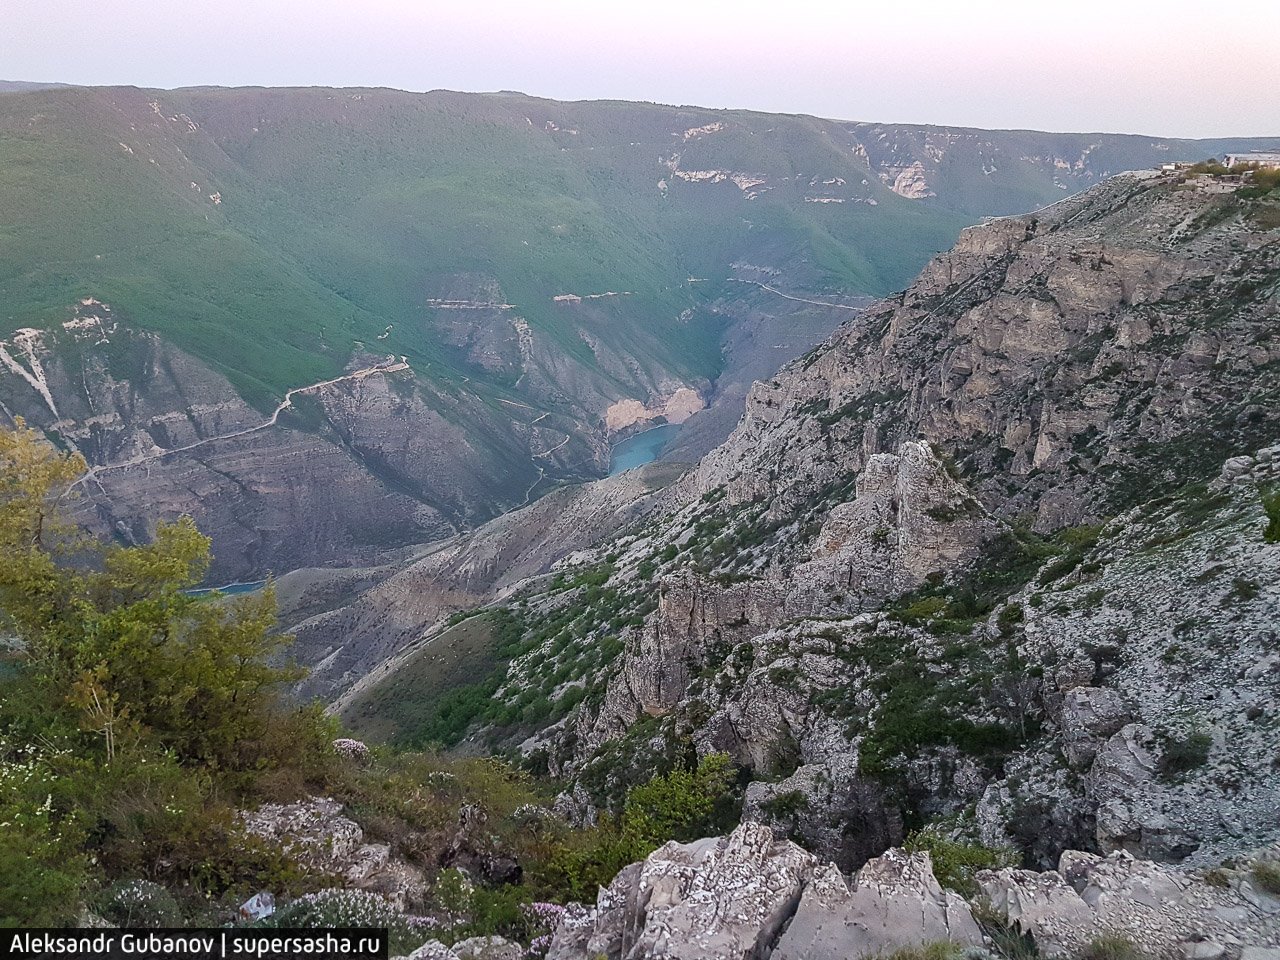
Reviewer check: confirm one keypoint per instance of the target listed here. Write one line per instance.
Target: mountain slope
(977, 559)
(553, 274)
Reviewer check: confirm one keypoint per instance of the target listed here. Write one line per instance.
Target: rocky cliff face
(1161, 675)
(344, 469)
(1068, 362)
(356, 464)
(976, 561)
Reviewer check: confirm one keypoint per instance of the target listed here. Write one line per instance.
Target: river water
(642, 448)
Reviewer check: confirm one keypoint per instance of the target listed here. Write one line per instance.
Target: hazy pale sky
(1173, 68)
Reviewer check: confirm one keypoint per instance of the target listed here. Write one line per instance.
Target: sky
(1126, 66)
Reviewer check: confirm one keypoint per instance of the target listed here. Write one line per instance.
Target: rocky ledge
(750, 896)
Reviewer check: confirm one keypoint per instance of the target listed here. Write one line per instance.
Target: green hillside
(311, 220)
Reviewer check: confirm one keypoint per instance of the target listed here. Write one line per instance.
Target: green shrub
(784, 756)
(680, 805)
(139, 903)
(1076, 542)
(926, 608)
(326, 909)
(1093, 599)
(1181, 755)
(42, 867)
(1007, 942)
(940, 950)
(1267, 876)
(1271, 504)
(1213, 167)
(955, 863)
(1244, 588)
(471, 910)
(786, 805)
(1217, 877)
(1112, 946)
(949, 513)
(1010, 616)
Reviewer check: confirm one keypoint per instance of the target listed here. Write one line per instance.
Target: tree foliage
(136, 718)
(132, 707)
(680, 805)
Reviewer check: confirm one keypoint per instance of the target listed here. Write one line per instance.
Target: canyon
(552, 276)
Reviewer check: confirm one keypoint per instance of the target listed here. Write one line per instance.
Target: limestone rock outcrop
(1090, 715)
(316, 835)
(749, 896)
(1161, 911)
(473, 948)
(720, 897)
(893, 903)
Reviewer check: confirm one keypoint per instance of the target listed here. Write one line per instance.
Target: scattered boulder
(475, 948)
(472, 849)
(1124, 769)
(488, 948)
(1089, 717)
(1235, 468)
(433, 950)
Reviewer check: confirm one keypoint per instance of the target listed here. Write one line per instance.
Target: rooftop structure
(1267, 159)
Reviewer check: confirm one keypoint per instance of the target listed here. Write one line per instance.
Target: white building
(1268, 160)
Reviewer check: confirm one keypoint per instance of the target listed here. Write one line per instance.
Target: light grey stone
(894, 903)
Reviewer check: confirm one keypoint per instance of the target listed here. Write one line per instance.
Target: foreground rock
(718, 897)
(476, 948)
(733, 897)
(893, 902)
(1161, 911)
(750, 896)
(320, 839)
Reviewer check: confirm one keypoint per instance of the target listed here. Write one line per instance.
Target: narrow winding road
(390, 365)
(787, 296)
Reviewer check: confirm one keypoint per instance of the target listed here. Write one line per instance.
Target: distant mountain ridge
(553, 274)
(23, 86)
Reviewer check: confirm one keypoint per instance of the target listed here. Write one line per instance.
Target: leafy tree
(142, 658)
(34, 482)
(680, 805)
(135, 713)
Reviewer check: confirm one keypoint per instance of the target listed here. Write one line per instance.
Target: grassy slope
(343, 210)
(458, 656)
